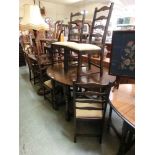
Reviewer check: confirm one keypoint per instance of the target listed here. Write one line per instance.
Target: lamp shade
(32, 19)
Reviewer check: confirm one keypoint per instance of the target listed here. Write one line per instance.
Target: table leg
(109, 119)
(67, 95)
(110, 124)
(66, 56)
(79, 66)
(51, 52)
(55, 106)
(127, 139)
(89, 61)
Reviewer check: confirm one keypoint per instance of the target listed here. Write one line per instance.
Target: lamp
(32, 19)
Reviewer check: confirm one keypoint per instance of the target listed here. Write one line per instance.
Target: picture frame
(122, 59)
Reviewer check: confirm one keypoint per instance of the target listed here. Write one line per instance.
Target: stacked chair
(98, 33)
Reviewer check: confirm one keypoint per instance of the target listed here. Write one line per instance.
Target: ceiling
(124, 2)
(63, 1)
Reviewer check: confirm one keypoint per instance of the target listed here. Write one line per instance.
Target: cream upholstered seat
(78, 46)
(65, 43)
(83, 113)
(84, 47)
(92, 114)
(48, 84)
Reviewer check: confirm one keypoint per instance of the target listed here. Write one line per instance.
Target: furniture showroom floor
(44, 131)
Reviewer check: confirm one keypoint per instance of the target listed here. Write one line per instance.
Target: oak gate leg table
(66, 79)
(122, 101)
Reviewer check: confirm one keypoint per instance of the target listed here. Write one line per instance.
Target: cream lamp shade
(32, 19)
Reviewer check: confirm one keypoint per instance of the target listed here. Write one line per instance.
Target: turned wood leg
(127, 139)
(79, 66)
(55, 106)
(109, 119)
(89, 61)
(30, 75)
(66, 55)
(44, 92)
(66, 94)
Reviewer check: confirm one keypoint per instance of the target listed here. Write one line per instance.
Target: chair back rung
(88, 101)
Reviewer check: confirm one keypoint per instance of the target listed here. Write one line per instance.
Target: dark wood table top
(58, 74)
(123, 102)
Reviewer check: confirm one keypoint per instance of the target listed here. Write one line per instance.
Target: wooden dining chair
(76, 25)
(99, 29)
(75, 33)
(45, 82)
(90, 102)
(32, 66)
(56, 53)
(58, 29)
(49, 85)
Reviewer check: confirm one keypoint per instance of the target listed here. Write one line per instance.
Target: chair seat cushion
(91, 114)
(65, 43)
(84, 47)
(79, 46)
(92, 105)
(48, 84)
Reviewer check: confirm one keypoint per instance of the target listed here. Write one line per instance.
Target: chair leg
(34, 79)
(66, 95)
(75, 138)
(101, 131)
(30, 78)
(55, 106)
(109, 119)
(52, 99)
(44, 92)
(75, 130)
(101, 64)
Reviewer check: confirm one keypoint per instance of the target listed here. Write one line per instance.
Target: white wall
(90, 8)
(53, 10)
(62, 12)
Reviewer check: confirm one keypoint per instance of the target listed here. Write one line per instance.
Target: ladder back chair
(58, 29)
(32, 64)
(57, 53)
(76, 25)
(75, 33)
(49, 85)
(90, 102)
(99, 31)
(43, 62)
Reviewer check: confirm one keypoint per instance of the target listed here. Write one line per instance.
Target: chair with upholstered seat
(75, 33)
(98, 33)
(76, 25)
(90, 102)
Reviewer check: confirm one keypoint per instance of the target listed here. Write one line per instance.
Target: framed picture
(122, 61)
